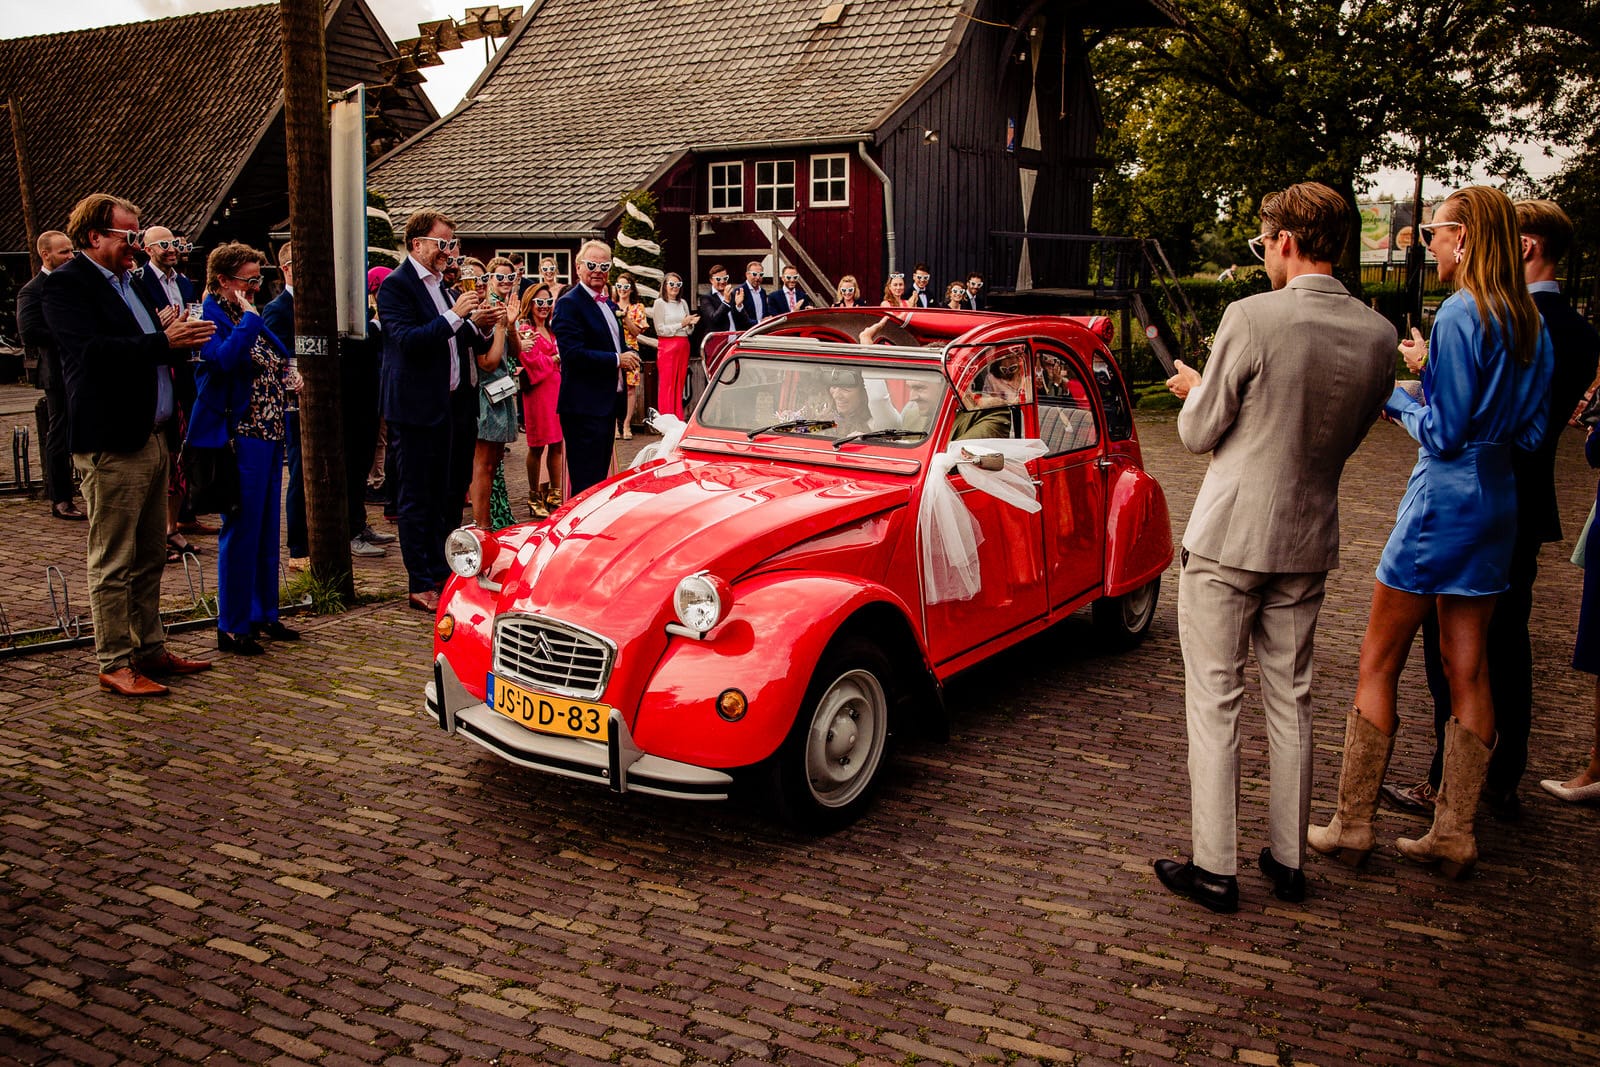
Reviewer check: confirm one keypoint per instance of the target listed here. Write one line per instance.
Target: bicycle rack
(7, 639)
(21, 462)
(199, 599)
(69, 624)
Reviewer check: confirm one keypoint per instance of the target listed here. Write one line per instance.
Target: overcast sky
(446, 85)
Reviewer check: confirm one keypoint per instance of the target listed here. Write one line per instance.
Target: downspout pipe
(888, 199)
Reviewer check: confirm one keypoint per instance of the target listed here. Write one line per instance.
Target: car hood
(611, 561)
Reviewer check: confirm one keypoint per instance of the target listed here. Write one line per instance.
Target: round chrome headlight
(701, 600)
(464, 551)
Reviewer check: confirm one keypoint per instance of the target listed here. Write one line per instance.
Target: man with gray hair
(55, 250)
(593, 359)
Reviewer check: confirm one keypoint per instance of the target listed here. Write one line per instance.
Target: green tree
(1246, 96)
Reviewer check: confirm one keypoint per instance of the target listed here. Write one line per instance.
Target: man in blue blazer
(789, 297)
(975, 299)
(115, 349)
(429, 394)
(758, 303)
(593, 357)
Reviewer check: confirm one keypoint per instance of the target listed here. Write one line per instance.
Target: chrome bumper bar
(618, 764)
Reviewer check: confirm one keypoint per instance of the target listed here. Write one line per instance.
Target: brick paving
(286, 863)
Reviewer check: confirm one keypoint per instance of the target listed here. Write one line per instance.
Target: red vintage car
(863, 504)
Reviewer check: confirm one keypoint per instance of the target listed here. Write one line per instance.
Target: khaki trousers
(1222, 612)
(126, 497)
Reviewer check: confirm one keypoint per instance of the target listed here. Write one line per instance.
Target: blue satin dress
(1457, 522)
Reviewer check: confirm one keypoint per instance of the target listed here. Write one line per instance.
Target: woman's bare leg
(1392, 625)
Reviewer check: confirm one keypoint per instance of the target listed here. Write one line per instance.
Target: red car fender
(471, 612)
(767, 648)
(1138, 531)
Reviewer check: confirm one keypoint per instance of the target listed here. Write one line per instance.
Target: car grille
(552, 656)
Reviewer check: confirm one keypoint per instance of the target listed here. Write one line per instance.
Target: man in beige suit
(1295, 378)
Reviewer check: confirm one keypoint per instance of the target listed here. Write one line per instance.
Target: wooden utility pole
(306, 122)
(24, 185)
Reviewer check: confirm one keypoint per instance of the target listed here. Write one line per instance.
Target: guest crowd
(171, 402)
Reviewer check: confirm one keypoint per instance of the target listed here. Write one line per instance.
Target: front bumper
(618, 764)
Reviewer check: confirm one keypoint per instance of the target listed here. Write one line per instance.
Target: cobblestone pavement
(285, 863)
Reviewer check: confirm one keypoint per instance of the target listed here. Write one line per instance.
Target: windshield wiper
(804, 425)
(869, 435)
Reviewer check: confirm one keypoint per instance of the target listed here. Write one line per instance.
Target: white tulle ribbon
(949, 534)
(671, 429)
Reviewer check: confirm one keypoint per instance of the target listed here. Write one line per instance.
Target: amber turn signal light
(731, 705)
(445, 627)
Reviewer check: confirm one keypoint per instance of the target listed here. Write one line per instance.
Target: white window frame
(827, 182)
(733, 170)
(530, 258)
(776, 185)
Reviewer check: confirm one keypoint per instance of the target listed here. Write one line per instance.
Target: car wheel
(828, 766)
(1124, 620)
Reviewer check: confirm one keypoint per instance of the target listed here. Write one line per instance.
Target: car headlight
(468, 551)
(701, 600)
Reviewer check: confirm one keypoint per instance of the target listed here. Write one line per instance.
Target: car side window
(1066, 412)
(1113, 398)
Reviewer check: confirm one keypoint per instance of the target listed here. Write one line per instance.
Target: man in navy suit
(921, 278)
(279, 318)
(167, 288)
(789, 297)
(429, 394)
(115, 349)
(593, 358)
(55, 251)
(758, 303)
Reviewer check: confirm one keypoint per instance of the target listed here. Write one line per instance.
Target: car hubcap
(1137, 606)
(846, 738)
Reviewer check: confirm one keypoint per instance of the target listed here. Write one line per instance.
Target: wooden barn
(183, 116)
(858, 137)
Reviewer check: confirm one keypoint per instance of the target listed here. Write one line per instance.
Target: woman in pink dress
(541, 365)
(894, 292)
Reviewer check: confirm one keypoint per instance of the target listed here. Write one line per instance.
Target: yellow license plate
(551, 714)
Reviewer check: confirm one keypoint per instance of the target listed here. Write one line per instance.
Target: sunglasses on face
(974, 285)
(542, 301)
(131, 236)
(847, 290)
(590, 265)
(791, 279)
(248, 283)
(501, 277)
(449, 244)
(1427, 229)
(623, 287)
(547, 270)
(1258, 243)
(674, 285)
(895, 276)
(720, 278)
(165, 245)
(921, 279)
(959, 294)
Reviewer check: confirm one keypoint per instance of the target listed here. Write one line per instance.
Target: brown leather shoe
(67, 510)
(427, 600)
(166, 663)
(130, 683)
(198, 527)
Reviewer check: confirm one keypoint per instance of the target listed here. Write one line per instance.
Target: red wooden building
(862, 136)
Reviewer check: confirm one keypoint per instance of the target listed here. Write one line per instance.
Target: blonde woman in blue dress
(1485, 387)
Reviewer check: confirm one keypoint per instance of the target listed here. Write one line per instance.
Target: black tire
(1122, 621)
(825, 773)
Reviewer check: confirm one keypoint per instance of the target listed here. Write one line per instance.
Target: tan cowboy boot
(1349, 836)
(1451, 843)
(536, 502)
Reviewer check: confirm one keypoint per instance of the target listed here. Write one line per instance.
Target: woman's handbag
(500, 389)
(212, 477)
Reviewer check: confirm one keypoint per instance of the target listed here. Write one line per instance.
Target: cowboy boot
(1451, 843)
(536, 501)
(1349, 836)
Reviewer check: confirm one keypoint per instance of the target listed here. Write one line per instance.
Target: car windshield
(759, 395)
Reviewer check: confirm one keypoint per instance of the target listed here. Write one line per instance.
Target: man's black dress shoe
(1288, 883)
(1219, 892)
(1505, 807)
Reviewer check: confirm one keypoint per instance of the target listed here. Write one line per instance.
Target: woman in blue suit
(1485, 388)
(244, 379)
